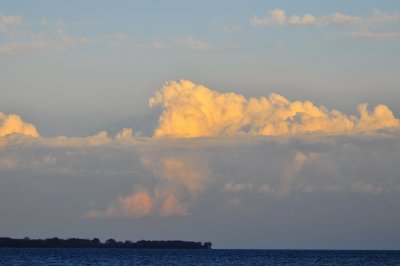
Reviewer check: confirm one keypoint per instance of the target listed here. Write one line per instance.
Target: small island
(7, 242)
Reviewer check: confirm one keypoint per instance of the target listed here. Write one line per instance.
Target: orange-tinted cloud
(100, 139)
(10, 124)
(171, 205)
(177, 184)
(192, 110)
(175, 170)
(142, 204)
(124, 136)
(138, 204)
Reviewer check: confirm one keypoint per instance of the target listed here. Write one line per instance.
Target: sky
(250, 124)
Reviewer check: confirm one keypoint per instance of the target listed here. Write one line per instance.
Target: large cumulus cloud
(193, 110)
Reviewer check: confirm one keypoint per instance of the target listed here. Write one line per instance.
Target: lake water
(62, 256)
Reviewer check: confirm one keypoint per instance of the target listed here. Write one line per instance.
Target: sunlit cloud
(124, 136)
(142, 204)
(10, 124)
(172, 206)
(181, 172)
(193, 110)
(138, 204)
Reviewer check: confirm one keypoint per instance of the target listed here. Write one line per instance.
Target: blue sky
(126, 50)
(79, 76)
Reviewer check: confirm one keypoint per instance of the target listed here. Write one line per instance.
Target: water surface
(98, 256)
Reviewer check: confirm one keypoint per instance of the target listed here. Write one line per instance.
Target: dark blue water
(60, 256)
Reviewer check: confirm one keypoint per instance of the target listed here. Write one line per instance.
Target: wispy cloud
(278, 16)
(41, 44)
(376, 35)
(51, 36)
(192, 43)
(230, 29)
(9, 21)
(155, 45)
(187, 42)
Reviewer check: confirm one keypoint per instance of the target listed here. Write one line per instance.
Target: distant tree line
(7, 242)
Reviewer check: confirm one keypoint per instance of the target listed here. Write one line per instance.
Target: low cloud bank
(255, 149)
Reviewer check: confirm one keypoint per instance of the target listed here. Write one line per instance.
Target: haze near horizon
(265, 124)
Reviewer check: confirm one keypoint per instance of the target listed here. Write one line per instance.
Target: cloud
(173, 184)
(13, 124)
(124, 136)
(192, 43)
(368, 188)
(152, 45)
(119, 37)
(142, 204)
(278, 16)
(9, 21)
(36, 45)
(132, 177)
(230, 29)
(172, 206)
(98, 139)
(138, 204)
(177, 170)
(286, 179)
(55, 40)
(275, 16)
(252, 149)
(192, 110)
(376, 35)
(188, 42)
(12, 127)
(52, 37)
(237, 187)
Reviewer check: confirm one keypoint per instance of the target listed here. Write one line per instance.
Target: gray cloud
(102, 179)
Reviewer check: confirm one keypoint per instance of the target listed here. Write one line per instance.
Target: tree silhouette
(96, 243)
